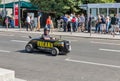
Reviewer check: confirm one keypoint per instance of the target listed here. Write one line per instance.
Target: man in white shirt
(82, 22)
(28, 22)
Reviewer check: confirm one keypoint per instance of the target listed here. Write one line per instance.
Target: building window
(103, 11)
(94, 12)
(112, 11)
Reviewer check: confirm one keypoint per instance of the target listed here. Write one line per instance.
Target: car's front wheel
(55, 51)
(29, 48)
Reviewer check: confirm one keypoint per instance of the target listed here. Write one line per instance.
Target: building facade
(9, 11)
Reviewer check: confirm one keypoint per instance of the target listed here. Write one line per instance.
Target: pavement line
(110, 50)
(104, 43)
(24, 36)
(4, 51)
(16, 79)
(19, 41)
(92, 63)
(6, 35)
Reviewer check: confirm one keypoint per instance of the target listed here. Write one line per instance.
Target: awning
(23, 4)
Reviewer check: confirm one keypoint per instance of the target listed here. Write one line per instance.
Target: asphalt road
(89, 60)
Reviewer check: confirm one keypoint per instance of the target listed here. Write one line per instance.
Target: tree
(62, 6)
(57, 6)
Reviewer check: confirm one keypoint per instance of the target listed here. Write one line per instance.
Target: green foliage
(62, 6)
(99, 1)
(59, 6)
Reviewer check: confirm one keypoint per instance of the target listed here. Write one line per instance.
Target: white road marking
(110, 50)
(19, 41)
(4, 51)
(93, 63)
(104, 43)
(6, 35)
(17, 79)
(25, 36)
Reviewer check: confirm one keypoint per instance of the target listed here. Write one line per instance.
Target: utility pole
(19, 14)
(4, 11)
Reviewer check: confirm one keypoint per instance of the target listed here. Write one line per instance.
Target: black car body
(55, 47)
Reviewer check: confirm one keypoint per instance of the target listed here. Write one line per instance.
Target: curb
(71, 35)
(90, 37)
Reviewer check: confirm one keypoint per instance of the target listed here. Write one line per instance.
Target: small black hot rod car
(55, 47)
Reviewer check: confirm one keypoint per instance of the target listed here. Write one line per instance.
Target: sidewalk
(73, 34)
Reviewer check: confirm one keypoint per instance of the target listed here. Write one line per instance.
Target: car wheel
(55, 51)
(29, 48)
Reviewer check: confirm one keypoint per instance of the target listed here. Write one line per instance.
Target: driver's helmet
(46, 29)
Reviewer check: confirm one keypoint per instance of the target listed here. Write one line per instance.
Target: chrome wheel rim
(28, 48)
(53, 52)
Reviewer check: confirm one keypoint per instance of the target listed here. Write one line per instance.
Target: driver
(46, 35)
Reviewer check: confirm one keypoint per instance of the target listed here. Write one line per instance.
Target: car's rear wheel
(55, 51)
(29, 48)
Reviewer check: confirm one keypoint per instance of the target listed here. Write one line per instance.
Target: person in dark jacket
(103, 24)
(114, 24)
(65, 20)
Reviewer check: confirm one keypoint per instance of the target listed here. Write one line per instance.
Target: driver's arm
(52, 38)
(45, 37)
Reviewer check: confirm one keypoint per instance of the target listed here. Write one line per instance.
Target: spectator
(79, 24)
(103, 24)
(73, 24)
(48, 22)
(32, 23)
(89, 23)
(35, 23)
(7, 22)
(107, 24)
(38, 23)
(28, 23)
(52, 26)
(82, 21)
(98, 24)
(69, 24)
(12, 22)
(65, 20)
(114, 25)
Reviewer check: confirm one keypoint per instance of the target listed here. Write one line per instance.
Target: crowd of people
(35, 24)
(80, 23)
(73, 22)
(8, 22)
(107, 24)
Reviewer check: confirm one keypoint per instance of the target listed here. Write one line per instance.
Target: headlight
(61, 44)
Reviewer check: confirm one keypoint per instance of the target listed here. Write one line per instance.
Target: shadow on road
(35, 52)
